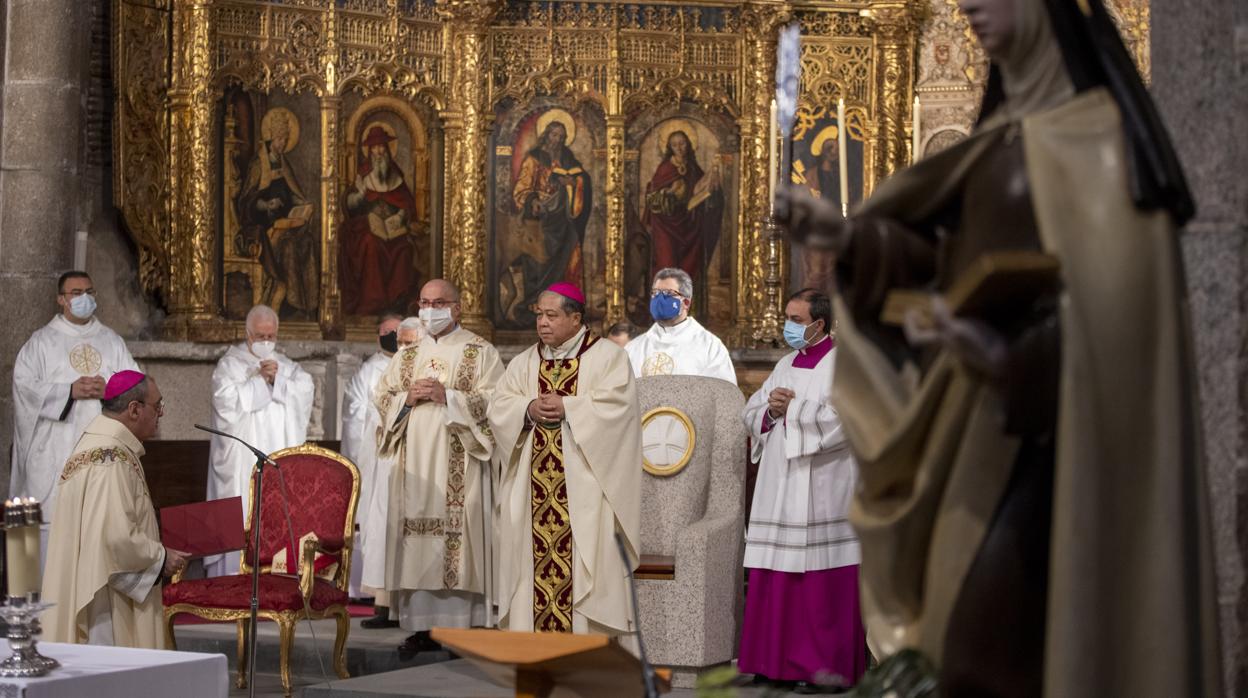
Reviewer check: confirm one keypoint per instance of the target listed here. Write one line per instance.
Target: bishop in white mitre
(360, 422)
(58, 380)
(677, 344)
(262, 397)
(569, 436)
(433, 399)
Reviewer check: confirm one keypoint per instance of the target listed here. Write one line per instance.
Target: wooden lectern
(551, 665)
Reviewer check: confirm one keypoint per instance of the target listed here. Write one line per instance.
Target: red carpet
(357, 610)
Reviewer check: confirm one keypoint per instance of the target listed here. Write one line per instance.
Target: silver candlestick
(22, 616)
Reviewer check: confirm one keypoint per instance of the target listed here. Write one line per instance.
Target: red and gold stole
(552, 523)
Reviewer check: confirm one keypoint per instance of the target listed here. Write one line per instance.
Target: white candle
(842, 145)
(916, 144)
(771, 156)
(22, 571)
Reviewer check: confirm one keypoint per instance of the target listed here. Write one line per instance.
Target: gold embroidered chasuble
(435, 532)
(104, 546)
(565, 489)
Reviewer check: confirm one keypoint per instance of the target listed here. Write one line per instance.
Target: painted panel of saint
(272, 238)
(678, 188)
(384, 234)
(816, 166)
(547, 228)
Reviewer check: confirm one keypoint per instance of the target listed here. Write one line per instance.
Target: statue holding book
(1032, 510)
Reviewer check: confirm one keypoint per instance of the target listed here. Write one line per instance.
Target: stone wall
(1200, 54)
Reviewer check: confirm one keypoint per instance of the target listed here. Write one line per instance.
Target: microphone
(261, 456)
(647, 670)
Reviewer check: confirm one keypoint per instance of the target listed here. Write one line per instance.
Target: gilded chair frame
(287, 620)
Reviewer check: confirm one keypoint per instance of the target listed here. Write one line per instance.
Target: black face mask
(389, 342)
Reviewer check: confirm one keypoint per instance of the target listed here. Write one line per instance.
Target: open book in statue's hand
(996, 284)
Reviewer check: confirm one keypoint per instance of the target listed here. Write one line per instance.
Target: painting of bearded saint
(377, 265)
(683, 209)
(552, 194)
(275, 212)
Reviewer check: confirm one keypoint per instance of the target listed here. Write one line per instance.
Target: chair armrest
(707, 547)
(307, 573)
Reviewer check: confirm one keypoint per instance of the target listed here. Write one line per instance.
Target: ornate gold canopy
(455, 68)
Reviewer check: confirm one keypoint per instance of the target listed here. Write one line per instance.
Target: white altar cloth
(122, 672)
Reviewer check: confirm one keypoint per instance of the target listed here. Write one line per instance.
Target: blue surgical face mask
(664, 307)
(82, 307)
(795, 334)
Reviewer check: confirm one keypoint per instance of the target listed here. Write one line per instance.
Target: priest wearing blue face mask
(802, 620)
(58, 379)
(677, 344)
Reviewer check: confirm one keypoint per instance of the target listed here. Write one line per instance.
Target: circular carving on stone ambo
(667, 441)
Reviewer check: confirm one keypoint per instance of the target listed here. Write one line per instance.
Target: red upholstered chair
(323, 489)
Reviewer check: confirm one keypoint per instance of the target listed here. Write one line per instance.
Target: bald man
(432, 399)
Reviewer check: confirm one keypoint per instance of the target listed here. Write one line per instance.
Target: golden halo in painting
(569, 124)
(270, 122)
(829, 133)
(393, 145)
(667, 128)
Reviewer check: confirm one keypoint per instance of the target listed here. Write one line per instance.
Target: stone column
(1199, 63)
(41, 150)
(467, 126)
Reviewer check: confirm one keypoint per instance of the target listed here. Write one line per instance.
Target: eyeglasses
(78, 292)
(159, 405)
(436, 303)
(665, 292)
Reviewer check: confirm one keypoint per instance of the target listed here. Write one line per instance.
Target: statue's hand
(811, 221)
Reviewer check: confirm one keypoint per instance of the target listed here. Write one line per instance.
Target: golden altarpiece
(328, 156)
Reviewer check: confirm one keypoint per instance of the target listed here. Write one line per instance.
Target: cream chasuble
(269, 417)
(105, 554)
(565, 489)
(360, 425)
(435, 534)
(688, 349)
(46, 423)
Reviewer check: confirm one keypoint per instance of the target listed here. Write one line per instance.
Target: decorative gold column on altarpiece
(332, 326)
(191, 291)
(759, 295)
(466, 135)
(894, 28)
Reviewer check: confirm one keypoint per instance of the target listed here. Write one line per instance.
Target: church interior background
(328, 156)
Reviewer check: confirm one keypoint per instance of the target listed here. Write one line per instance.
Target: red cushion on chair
(277, 593)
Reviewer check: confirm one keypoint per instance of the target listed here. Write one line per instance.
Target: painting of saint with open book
(684, 203)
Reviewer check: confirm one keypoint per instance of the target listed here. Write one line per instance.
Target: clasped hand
(812, 221)
(778, 402)
(547, 408)
(426, 389)
(87, 388)
(268, 370)
(175, 561)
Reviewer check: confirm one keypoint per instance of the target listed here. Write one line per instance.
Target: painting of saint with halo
(683, 204)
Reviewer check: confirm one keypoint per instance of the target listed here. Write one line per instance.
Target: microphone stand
(647, 669)
(261, 461)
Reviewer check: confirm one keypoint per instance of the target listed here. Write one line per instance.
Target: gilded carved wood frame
(457, 60)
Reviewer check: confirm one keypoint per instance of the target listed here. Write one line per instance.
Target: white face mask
(435, 319)
(82, 307)
(263, 350)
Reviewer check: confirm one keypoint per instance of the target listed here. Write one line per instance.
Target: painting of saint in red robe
(683, 208)
(377, 267)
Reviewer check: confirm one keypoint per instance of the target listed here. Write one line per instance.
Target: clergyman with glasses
(58, 379)
(432, 400)
(105, 558)
(676, 343)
